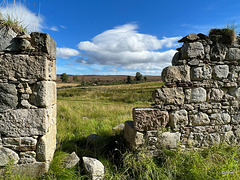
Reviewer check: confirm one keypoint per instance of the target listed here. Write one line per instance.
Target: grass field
(96, 110)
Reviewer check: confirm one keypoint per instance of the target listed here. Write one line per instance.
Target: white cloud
(53, 28)
(124, 47)
(26, 17)
(66, 53)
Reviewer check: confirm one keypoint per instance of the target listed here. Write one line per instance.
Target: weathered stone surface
(176, 74)
(119, 128)
(199, 119)
(133, 137)
(175, 59)
(44, 43)
(218, 52)
(192, 50)
(71, 160)
(201, 73)
(24, 122)
(146, 119)
(47, 145)
(44, 94)
(27, 67)
(170, 140)
(178, 119)
(214, 139)
(169, 96)
(220, 71)
(8, 96)
(189, 38)
(236, 119)
(94, 168)
(20, 144)
(233, 54)
(196, 95)
(220, 118)
(235, 92)
(7, 155)
(230, 138)
(215, 95)
(7, 41)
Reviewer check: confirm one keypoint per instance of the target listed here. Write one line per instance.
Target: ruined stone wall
(199, 103)
(27, 101)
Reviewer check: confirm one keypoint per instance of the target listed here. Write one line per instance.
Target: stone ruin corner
(199, 104)
(27, 101)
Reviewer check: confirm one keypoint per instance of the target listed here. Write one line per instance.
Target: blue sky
(120, 37)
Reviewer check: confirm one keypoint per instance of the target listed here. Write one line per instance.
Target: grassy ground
(96, 110)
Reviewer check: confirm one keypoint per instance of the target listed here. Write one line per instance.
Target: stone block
(27, 67)
(170, 140)
(44, 43)
(178, 119)
(230, 138)
(220, 118)
(71, 160)
(7, 155)
(201, 73)
(44, 94)
(192, 50)
(176, 74)
(146, 119)
(218, 52)
(196, 95)
(7, 39)
(46, 145)
(133, 137)
(8, 96)
(199, 119)
(214, 139)
(215, 95)
(233, 54)
(24, 122)
(94, 168)
(235, 92)
(166, 96)
(220, 72)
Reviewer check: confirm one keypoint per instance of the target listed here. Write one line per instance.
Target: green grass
(96, 110)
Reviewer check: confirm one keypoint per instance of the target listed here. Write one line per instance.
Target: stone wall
(199, 104)
(27, 101)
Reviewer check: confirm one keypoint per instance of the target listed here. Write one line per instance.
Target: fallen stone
(119, 128)
(71, 160)
(7, 155)
(94, 168)
(146, 119)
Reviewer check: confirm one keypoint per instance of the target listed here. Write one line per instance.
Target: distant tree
(83, 82)
(64, 77)
(75, 78)
(145, 78)
(129, 79)
(138, 76)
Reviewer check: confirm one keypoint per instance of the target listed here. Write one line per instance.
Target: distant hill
(105, 78)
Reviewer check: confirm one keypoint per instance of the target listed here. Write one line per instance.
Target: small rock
(71, 160)
(189, 38)
(119, 128)
(94, 168)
